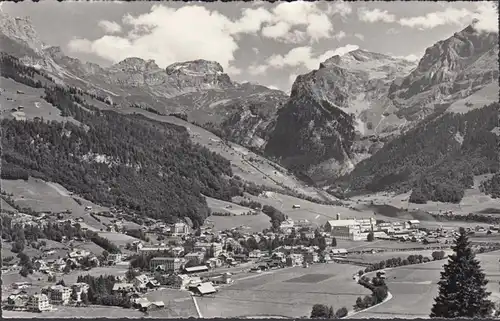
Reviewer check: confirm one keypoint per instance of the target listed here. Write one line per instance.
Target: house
(167, 264)
(207, 247)
(179, 229)
(338, 252)
(140, 281)
(255, 254)
(213, 263)
(311, 257)
(38, 303)
(203, 289)
(195, 257)
(123, 288)
(40, 265)
(196, 269)
(18, 301)
(294, 259)
(114, 258)
(240, 257)
(20, 285)
(79, 288)
(413, 224)
(224, 278)
(60, 294)
(76, 254)
(59, 265)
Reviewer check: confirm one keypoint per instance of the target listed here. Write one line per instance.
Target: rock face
(332, 108)
(449, 70)
(346, 110)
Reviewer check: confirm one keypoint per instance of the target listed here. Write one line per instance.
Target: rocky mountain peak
(199, 66)
(134, 64)
(20, 29)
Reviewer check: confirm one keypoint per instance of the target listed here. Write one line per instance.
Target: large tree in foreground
(462, 289)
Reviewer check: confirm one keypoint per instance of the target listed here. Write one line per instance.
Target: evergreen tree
(462, 289)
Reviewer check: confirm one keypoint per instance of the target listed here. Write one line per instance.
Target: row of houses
(39, 302)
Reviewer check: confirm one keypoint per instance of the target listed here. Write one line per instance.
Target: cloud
(168, 35)
(375, 15)
(339, 7)
(487, 14)
(289, 15)
(232, 70)
(255, 70)
(304, 56)
(359, 36)
(340, 35)
(439, 18)
(110, 26)
(410, 57)
(392, 31)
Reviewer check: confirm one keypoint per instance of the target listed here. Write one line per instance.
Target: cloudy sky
(266, 43)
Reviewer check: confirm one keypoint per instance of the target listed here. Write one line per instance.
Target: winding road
(414, 288)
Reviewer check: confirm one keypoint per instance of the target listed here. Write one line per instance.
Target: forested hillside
(437, 159)
(492, 186)
(151, 168)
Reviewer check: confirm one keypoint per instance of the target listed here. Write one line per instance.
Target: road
(414, 288)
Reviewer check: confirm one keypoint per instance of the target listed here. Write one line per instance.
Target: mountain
(352, 105)
(332, 109)
(198, 90)
(436, 160)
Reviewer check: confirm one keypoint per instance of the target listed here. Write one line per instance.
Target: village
(198, 261)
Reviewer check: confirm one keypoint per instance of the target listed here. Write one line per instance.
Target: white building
(39, 303)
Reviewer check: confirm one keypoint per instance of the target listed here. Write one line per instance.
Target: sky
(261, 42)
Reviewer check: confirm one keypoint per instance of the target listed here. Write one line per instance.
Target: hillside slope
(437, 159)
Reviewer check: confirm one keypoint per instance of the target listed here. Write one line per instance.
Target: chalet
(213, 263)
(18, 301)
(140, 281)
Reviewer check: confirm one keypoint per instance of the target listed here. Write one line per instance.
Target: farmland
(289, 292)
(414, 287)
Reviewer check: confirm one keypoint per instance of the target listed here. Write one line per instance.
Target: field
(473, 201)
(414, 287)
(378, 245)
(178, 304)
(78, 312)
(118, 238)
(289, 292)
(227, 207)
(484, 96)
(33, 105)
(254, 223)
(44, 196)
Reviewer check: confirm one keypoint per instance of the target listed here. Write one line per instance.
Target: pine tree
(462, 288)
